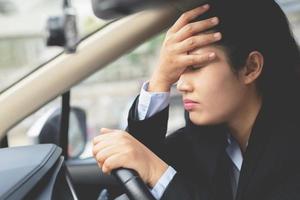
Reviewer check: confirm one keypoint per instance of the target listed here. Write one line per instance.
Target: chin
(202, 120)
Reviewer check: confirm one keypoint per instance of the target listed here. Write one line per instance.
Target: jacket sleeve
(182, 188)
(151, 131)
(174, 150)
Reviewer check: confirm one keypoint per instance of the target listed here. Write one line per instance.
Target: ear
(252, 68)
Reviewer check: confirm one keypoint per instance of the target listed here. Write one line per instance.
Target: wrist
(158, 85)
(157, 172)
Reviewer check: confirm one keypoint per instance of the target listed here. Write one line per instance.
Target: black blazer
(270, 170)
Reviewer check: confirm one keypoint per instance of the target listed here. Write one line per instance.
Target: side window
(43, 126)
(292, 10)
(105, 97)
(25, 133)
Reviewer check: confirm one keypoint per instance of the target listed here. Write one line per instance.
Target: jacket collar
(264, 127)
(212, 140)
(209, 142)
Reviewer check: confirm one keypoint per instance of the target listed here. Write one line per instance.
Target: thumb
(105, 130)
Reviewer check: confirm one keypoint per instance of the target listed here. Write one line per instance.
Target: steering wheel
(134, 186)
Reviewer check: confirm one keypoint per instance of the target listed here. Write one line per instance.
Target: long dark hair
(261, 25)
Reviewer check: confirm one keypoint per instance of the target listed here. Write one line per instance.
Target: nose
(183, 84)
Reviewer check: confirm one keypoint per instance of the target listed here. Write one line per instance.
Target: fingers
(105, 130)
(197, 41)
(189, 60)
(113, 162)
(105, 133)
(111, 143)
(187, 17)
(104, 141)
(123, 150)
(195, 28)
(107, 146)
(180, 39)
(105, 153)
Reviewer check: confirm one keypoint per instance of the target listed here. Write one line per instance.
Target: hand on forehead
(205, 49)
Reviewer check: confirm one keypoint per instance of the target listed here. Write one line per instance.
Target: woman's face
(212, 93)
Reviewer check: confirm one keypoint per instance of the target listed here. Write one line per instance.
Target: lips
(189, 104)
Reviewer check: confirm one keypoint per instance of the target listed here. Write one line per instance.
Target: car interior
(28, 95)
(46, 170)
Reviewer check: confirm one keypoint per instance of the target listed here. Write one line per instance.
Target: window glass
(43, 126)
(23, 40)
(292, 10)
(107, 95)
(26, 132)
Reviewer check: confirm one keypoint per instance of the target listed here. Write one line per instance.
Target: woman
(238, 75)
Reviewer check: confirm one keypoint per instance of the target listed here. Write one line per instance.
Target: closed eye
(195, 67)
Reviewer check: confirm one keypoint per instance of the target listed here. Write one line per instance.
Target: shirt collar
(234, 152)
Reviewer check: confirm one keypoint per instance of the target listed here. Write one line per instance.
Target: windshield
(23, 34)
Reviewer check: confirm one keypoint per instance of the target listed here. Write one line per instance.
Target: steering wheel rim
(134, 186)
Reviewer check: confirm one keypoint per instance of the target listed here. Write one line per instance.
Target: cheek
(225, 101)
(221, 94)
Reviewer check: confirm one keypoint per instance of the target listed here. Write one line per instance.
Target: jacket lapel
(209, 143)
(260, 135)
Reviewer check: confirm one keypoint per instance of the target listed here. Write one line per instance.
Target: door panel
(89, 180)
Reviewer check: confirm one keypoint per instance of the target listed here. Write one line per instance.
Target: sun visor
(185, 5)
(112, 9)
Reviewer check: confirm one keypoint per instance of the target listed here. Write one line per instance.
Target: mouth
(189, 104)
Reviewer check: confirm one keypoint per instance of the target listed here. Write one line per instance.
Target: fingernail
(211, 56)
(206, 6)
(215, 20)
(217, 36)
